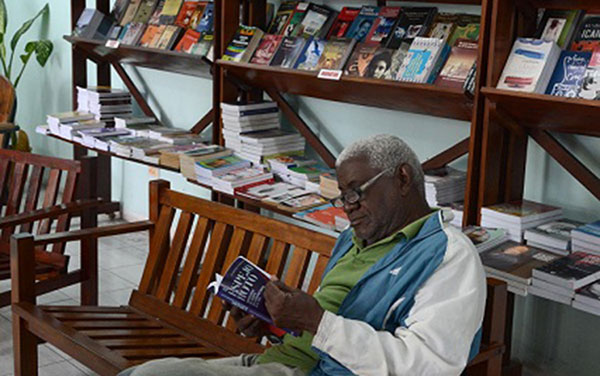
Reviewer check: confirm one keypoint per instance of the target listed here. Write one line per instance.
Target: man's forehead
(355, 169)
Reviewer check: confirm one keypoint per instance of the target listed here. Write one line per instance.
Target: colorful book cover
(155, 18)
(380, 65)
(205, 25)
(419, 64)
(313, 21)
(169, 37)
(383, 24)
(197, 14)
(336, 53)
(132, 9)
(296, 18)
(160, 30)
(118, 10)
(343, 22)
(569, 73)
(459, 63)
(304, 201)
(266, 49)
(481, 236)
(134, 33)
(149, 35)
(288, 52)
(170, 11)
(323, 215)
(204, 45)
(574, 270)
(587, 36)
(361, 57)
(185, 13)
(187, 42)
(243, 44)
(467, 27)
(309, 57)
(443, 26)
(558, 25)
(282, 17)
(590, 86)
(362, 23)
(145, 11)
(413, 22)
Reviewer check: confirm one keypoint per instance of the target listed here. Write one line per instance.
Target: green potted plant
(42, 49)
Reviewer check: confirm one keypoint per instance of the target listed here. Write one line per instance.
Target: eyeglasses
(355, 194)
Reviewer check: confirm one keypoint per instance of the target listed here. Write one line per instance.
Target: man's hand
(292, 308)
(247, 324)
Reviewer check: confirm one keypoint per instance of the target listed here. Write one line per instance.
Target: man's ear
(404, 176)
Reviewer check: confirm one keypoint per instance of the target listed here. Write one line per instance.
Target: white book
(560, 290)
(239, 108)
(421, 60)
(529, 65)
(549, 295)
(586, 308)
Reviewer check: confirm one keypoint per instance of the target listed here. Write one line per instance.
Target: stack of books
(267, 190)
(259, 146)
(208, 169)
(188, 159)
(444, 186)
(457, 209)
(588, 299)
(560, 279)
(325, 216)
(63, 124)
(554, 236)
(99, 138)
(170, 157)
(141, 148)
(587, 238)
(104, 102)
(514, 263)
(279, 165)
(241, 178)
(485, 238)
(518, 216)
(307, 176)
(328, 185)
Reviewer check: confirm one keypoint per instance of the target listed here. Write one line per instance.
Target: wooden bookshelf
(164, 60)
(401, 96)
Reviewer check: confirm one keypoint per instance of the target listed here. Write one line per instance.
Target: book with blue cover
(363, 23)
(310, 55)
(568, 74)
(206, 22)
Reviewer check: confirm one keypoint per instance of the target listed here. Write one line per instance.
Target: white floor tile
(131, 273)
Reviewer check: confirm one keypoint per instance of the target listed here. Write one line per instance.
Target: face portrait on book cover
(363, 29)
(379, 66)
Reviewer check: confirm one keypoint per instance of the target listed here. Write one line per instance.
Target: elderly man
(403, 293)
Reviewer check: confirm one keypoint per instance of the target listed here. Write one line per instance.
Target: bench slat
(33, 194)
(315, 279)
(154, 263)
(144, 333)
(298, 266)
(277, 258)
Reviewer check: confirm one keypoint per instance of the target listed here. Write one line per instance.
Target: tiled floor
(121, 260)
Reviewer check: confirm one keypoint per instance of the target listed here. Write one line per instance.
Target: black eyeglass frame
(354, 195)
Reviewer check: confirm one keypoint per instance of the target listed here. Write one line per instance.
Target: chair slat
(297, 268)
(171, 268)
(257, 249)
(129, 333)
(15, 195)
(49, 199)
(33, 194)
(277, 258)
(138, 343)
(154, 264)
(213, 261)
(165, 352)
(4, 180)
(192, 262)
(64, 221)
(315, 279)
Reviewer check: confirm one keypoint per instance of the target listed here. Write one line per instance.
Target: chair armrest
(91, 233)
(51, 212)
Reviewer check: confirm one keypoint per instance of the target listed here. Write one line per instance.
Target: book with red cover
(587, 36)
(185, 13)
(383, 24)
(266, 49)
(342, 22)
(323, 215)
(187, 42)
(458, 65)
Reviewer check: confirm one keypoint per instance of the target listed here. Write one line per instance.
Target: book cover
(310, 55)
(590, 85)
(323, 215)
(156, 38)
(573, 271)
(288, 52)
(265, 190)
(467, 27)
(587, 36)
(555, 233)
(302, 202)
(443, 26)
(170, 11)
(421, 59)
(380, 65)
(359, 60)
(145, 11)
(149, 35)
(203, 47)
(343, 22)
(282, 17)
(558, 25)
(527, 64)
(362, 23)
(129, 14)
(197, 13)
(383, 24)
(469, 85)
(187, 42)
(335, 53)
(413, 22)
(589, 232)
(266, 49)
(155, 18)
(118, 10)
(523, 210)
(243, 44)
(481, 237)
(205, 25)
(567, 79)
(589, 295)
(313, 21)
(462, 57)
(185, 13)
(296, 18)
(169, 37)
(243, 286)
(134, 33)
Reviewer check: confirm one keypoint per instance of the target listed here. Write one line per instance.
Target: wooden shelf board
(562, 4)
(557, 114)
(401, 96)
(171, 61)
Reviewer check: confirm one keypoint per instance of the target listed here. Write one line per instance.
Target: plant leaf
(25, 57)
(3, 18)
(43, 50)
(26, 26)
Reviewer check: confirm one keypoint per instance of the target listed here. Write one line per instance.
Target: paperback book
(413, 22)
(266, 49)
(485, 238)
(569, 73)
(343, 22)
(573, 271)
(590, 85)
(422, 60)
(297, 17)
(205, 24)
(383, 24)
(335, 54)
(587, 36)
(459, 63)
(558, 25)
(362, 23)
(309, 57)
(443, 26)
(282, 17)
(243, 44)
(360, 59)
(288, 52)
(467, 28)
(314, 21)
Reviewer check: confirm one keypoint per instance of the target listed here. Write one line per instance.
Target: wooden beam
(566, 159)
(301, 126)
(452, 153)
(206, 120)
(133, 89)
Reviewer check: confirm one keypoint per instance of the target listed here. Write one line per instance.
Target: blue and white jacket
(417, 311)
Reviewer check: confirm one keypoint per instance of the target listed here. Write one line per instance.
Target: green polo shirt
(296, 351)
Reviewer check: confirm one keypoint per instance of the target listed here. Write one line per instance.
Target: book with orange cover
(187, 42)
(149, 34)
(185, 13)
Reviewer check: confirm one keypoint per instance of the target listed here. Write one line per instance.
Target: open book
(243, 286)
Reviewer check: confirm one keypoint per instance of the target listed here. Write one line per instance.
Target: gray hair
(385, 152)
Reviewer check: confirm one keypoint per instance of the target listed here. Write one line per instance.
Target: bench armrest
(51, 212)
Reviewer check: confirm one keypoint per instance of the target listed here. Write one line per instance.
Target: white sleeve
(440, 327)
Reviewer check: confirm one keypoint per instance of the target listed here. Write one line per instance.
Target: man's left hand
(292, 308)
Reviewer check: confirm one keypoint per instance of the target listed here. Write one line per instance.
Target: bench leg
(24, 348)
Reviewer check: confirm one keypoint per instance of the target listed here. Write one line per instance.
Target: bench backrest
(22, 190)
(208, 236)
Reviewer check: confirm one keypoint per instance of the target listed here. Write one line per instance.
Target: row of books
(185, 26)
(540, 65)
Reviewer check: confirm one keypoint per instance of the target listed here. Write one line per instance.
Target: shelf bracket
(508, 122)
(452, 153)
(207, 120)
(133, 89)
(566, 159)
(301, 126)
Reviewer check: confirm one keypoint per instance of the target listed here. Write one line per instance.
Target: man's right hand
(247, 324)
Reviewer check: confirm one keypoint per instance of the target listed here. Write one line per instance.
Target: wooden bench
(24, 177)
(171, 313)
